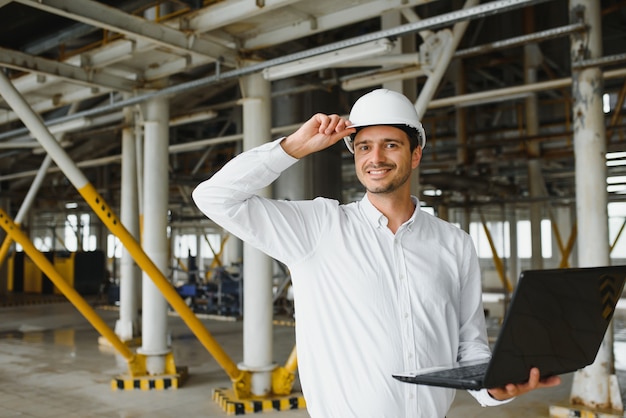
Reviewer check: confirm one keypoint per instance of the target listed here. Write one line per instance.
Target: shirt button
(406, 315)
(402, 277)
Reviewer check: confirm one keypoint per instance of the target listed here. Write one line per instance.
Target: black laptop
(556, 321)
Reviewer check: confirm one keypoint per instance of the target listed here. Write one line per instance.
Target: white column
(532, 59)
(127, 326)
(233, 250)
(156, 185)
(257, 267)
(596, 385)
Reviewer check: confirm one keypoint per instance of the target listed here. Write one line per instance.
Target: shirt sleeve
(473, 335)
(473, 342)
(236, 198)
(484, 398)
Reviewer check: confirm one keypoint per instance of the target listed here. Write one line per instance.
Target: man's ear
(416, 157)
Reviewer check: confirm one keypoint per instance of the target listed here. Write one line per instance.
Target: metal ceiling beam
(224, 13)
(77, 30)
(73, 74)
(68, 94)
(106, 17)
(357, 13)
(513, 92)
(413, 69)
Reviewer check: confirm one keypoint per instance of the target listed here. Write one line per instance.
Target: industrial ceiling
(78, 64)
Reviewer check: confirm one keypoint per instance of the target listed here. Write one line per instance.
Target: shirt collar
(377, 219)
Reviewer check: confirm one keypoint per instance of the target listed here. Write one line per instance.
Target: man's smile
(378, 171)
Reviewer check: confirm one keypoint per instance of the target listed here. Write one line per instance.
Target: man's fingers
(330, 124)
(550, 381)
(533, 380)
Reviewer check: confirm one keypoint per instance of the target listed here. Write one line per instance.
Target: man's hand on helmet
(316, 134)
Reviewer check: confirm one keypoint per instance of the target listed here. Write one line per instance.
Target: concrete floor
(51, 365)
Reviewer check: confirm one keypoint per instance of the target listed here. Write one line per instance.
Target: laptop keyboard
(461, 372)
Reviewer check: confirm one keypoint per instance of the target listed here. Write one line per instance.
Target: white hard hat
(385, 107)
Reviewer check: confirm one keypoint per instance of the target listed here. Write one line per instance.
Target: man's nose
(378, 153)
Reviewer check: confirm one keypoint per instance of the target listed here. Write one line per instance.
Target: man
(379, 286)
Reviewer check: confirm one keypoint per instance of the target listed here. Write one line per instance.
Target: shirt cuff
(279, 157)
(484, 398)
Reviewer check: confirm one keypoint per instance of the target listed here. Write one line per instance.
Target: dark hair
(412, 133)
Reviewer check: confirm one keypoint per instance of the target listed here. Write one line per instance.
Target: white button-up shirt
(368, 303)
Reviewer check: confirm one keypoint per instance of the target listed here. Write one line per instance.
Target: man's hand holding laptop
(534, 382)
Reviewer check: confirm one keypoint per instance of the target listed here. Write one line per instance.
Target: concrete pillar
(532, 60)
(257, 267)
(199, 259)
(127, 326)
(155, 242)
(596, 385)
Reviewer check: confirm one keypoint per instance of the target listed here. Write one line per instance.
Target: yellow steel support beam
(283, 377)
(100, 207)
(6, 245)
(292, 362)
(619, 233)
(568, 248)
(217, 256)
(557, 234)
(496, 259)
(136, 363)
(182, 265)
(240, 379)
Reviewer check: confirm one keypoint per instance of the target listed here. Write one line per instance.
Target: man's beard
(390, 187)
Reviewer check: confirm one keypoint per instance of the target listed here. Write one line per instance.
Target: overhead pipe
(522, 40)
(482, 97)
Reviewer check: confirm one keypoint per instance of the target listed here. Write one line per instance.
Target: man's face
(383, 159)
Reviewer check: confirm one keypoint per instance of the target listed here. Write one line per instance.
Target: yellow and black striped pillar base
(557, 411)
(170, 381)
(232, 406)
